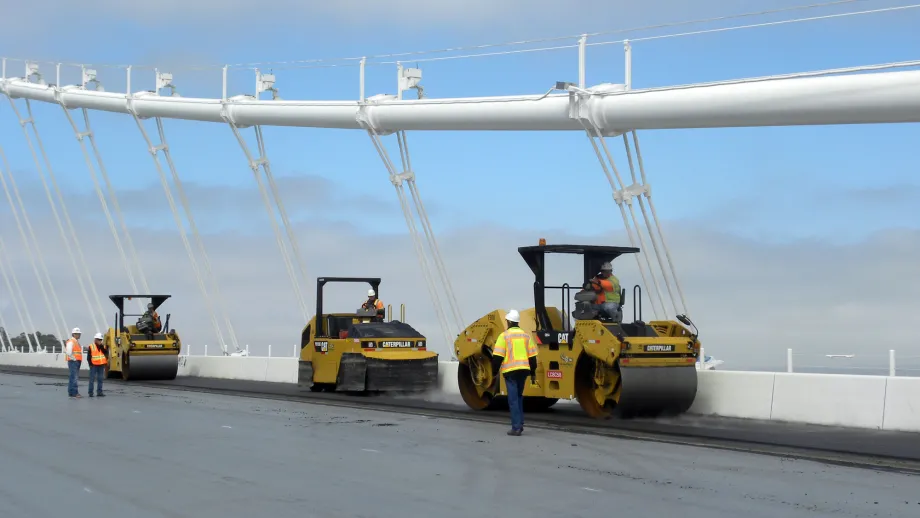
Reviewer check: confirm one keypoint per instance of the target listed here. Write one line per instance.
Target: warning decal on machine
(554, 375)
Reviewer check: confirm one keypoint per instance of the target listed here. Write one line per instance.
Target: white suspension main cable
(397, 180)
(60, 325)
(154, 150)
(64, 236)
(263, 162)
(429, 232)
(105, 207)
(18, 300)
(648, 196)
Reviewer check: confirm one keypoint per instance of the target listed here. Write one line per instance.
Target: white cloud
(751, 300)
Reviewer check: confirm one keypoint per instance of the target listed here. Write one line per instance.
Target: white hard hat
(98, 336)
(607, 266)
(371, 293)
(513, 316)
(75, 331)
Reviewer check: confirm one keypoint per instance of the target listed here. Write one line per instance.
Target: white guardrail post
(788, 360)
(891, 366)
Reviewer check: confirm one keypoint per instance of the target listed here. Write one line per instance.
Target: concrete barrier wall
(879, 402)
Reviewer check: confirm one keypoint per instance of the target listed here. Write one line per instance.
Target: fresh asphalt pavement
(158, 452)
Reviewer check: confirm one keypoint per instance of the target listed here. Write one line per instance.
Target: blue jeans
(515, 382)
(74, 367)
(611, 309)
(96, 372)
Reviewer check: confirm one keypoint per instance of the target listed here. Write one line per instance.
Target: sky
(782, 237)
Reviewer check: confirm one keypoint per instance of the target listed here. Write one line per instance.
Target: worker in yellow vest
(73, 353)
(514, 356)
(98, 358)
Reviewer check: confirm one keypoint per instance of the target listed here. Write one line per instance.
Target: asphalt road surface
(151, 452)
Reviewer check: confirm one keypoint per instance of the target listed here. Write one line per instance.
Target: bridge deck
(158, 452)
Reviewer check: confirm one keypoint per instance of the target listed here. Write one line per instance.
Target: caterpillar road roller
(613, 368)
(363, 351)
(140, 351)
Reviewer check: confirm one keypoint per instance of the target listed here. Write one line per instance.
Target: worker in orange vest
(514, 356)
(607, 287)
(373, 303)
(73, 353)
(98, 358)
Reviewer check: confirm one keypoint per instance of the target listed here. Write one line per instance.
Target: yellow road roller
(613, 368)
(363, 351)
(139, 351)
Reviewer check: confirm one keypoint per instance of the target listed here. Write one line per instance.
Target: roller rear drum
(150, 367)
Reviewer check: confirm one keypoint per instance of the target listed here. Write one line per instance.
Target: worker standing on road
(515, 356)
(73, 353)
(98, 358)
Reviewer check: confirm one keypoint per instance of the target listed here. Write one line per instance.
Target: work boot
(101, 394)
(90, 394)
(514, 432)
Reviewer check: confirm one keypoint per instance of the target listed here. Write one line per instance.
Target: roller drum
(654, 391)
(151, 367)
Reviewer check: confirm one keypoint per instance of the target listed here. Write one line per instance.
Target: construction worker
(73, 353)
(514, 356)
(149, 323)
(373, 302)
(607, 287)
(98, 358)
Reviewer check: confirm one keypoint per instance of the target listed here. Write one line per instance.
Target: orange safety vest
(608, 289)
(523, 347)
(378, 304)
(156, 322)
(77, 355)
(96, 356)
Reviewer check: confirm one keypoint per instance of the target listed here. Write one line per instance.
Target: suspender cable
(209, 273)
(624, 195)
(18, 301)
(619, 201)
(429, 233)
(57, 317)
(648, 196)
(397, 180)
(254, 164)
(6, 345)
(154, 150)
(81, 138)
(64, 233)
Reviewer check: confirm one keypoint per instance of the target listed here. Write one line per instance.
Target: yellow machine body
(611, 368)
(363, 351)
(134, 355)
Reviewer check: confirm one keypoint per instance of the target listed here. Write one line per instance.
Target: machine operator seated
(606, 287)
(149, 323)
(373, 303)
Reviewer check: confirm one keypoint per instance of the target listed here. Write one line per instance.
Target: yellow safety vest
(522, 349)
(613, 285)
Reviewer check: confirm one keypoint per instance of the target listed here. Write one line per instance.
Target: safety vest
(77, 353)
(611, 289)
(96, 356)
(522, 349)
(378, 304)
